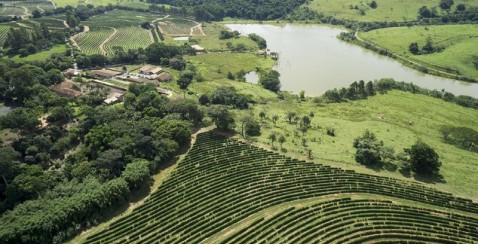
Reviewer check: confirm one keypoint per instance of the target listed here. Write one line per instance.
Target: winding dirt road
(102, 45)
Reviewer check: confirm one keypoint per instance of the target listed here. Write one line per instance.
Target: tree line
(360, 90)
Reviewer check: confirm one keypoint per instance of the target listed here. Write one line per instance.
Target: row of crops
(127, 38)
(347, 220)
(90, 42)
(12, 11)
(179, 27)
(221, 182)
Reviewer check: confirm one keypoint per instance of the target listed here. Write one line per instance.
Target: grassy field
(387, 10)
(40, 56)
(351, 119)
(460, 43)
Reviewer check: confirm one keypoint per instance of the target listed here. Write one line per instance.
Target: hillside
(225, 191)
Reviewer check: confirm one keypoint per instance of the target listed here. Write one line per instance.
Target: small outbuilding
(150, 70)
(198, 48)
(164, 77)
(104, 73)
(113, 98)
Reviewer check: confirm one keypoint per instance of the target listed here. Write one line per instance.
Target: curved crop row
(129, 38)
(90, 42)
(221, 182)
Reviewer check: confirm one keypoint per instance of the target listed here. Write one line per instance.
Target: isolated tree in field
(460, 7)
(446, 4)
(414, 48)
(424, 12)
(368, 149)
(305, 121)
(262, 115)
(273, 138)
(249, 126)
(290, 116)
(36, 14)
(282, 140)
(185, 80)
(274, 119)
(373, 4)
(423, 159)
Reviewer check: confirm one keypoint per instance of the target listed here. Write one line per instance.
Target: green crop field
(12, 11)
(129, 38)
(51, 22)
(351, 119)
(178, 27)
(460, 43)
(90, 42)
(387, 10)
(226, 191)
(121, 18)
(3, 33)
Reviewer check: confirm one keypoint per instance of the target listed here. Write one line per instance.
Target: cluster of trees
(461, 13)
(121, 146)
(226, 95)
(357, 90)
(156, 53)
(21, 41)
(428, 48)
(271, 81)
(420, 158)
(218, 9)
(261, 42)
(224, 34)
(387, 84)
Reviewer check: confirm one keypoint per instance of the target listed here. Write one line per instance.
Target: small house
(113, 98)
(164, 77)
(150, 70)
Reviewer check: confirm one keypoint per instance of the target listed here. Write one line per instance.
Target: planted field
(51, 22)
(225, 191)
(121, 18)
(129, 38)
(459, 43)
(91, 41)
(13, 11)
(180, 27)
(3, 33)
(387, 10)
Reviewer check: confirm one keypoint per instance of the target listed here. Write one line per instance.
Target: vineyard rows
(179, 27)
(90, 42)
(12, 11)
(129, 38)
(3, 33)
(221, 182)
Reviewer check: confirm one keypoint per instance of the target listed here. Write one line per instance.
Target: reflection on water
(311, 58)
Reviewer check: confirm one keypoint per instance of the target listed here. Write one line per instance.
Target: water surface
(311, 58)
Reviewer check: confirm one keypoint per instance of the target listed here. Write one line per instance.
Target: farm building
(68, 89)
(163, 91)
(114, 97)
(198, 48)
(104, 73)
(261, 52)
(164, 77)
(70, 72)
(150, 70)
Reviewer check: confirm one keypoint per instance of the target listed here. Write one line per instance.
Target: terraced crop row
(50, 22)
(221, 182)
(349, 220)
(132, 37)
(3, 33)
(90, 42)
(177, 27)
(12, 11)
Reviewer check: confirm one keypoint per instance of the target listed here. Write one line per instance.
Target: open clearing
(460, 43)
(387, 10)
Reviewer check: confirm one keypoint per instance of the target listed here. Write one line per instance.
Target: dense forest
(217, 9)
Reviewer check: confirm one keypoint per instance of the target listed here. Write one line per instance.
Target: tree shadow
(430, 179)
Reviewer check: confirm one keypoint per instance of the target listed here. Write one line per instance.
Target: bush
(423, 159)
(252, 128)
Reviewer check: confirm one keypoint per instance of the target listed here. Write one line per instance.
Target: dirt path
(72, 38)
(407, 60)
(158, 19)
(26, 13)
(199, 27)
(39, 8)
(102, 45)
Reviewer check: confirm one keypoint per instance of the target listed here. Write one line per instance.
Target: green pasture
(40, 56)
(387, 10)
(406, 118)
(460, 43)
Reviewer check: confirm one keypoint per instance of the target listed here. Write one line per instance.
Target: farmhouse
(164, 77)
(104, 73)
(70, 72)
(150, 70)
(68, 89)
(114, 97)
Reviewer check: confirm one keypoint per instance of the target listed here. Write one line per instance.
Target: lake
(311, 58)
